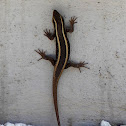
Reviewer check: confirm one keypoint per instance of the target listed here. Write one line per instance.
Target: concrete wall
(26, 84)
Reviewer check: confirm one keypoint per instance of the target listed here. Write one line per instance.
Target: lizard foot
(41, 53)
(82, 64)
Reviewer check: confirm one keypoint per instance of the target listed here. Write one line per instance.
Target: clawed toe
(47, 33)
(41, 53)
(82, 64)
(73, 20)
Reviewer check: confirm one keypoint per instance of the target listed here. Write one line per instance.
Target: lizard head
(56, 17)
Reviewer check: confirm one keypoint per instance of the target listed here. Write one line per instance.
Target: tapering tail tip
(55, 83)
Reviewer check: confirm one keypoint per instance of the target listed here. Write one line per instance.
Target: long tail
(55, 84)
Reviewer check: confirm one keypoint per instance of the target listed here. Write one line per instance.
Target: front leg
(44, 56)
(76, 65)
(50, 35)
(72, 22)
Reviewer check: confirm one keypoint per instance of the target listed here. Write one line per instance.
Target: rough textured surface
(26, 84)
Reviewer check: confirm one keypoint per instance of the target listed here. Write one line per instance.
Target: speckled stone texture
(26, 84)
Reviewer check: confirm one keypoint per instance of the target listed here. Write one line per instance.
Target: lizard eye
(53, 20)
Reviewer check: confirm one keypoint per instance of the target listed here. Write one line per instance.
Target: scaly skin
(62, 53)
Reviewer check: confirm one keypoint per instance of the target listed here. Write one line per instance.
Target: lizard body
(62, 53)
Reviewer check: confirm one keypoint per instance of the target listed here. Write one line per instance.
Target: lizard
(62, 52)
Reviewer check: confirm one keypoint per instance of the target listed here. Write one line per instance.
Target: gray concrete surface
(26, 84)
